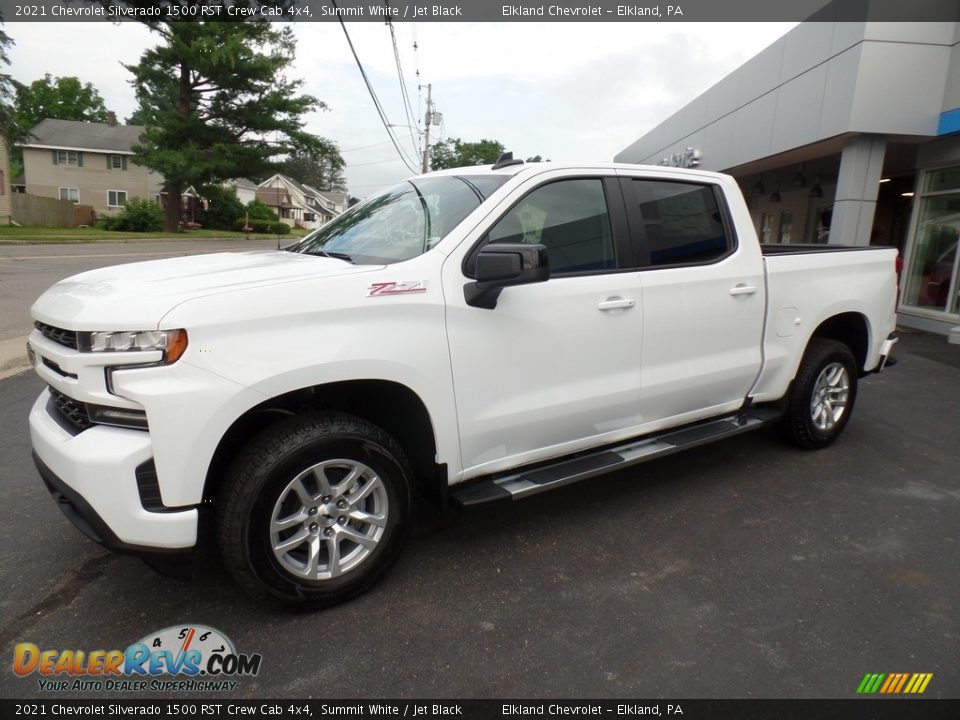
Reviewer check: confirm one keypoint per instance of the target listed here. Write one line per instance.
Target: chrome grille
(67, 338)
(72, 411)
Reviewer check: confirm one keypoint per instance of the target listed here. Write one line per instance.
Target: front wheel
(314, 510)
(821, 398)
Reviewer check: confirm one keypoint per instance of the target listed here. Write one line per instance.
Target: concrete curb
(13, 356)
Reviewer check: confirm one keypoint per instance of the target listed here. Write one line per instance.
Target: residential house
(340, 200)
(245, 189)
(88, 163)
(300, 205)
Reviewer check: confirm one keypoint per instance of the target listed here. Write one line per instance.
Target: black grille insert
(67, 338)
(72, 411)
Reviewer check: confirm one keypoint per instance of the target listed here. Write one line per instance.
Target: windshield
(401, 223)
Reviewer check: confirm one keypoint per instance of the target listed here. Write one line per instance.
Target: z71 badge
(397, 288)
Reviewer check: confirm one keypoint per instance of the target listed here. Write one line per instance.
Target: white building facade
(842, 132)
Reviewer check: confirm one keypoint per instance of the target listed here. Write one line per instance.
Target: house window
(116, 198)
(69, 193)
(116, 162)
(68, 157)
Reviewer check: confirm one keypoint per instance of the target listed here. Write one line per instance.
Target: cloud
(567, 91)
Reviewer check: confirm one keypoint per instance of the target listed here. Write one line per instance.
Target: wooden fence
(34, 210)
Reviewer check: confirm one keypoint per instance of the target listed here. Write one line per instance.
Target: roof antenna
(506, 160)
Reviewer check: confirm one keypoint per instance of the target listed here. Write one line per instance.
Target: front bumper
(92, 476)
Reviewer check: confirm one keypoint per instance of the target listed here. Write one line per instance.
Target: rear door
(703, 298)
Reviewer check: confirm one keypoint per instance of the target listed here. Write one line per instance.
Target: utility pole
(428, 118)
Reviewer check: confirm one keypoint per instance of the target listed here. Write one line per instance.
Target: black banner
(854, 709)
(480, 10)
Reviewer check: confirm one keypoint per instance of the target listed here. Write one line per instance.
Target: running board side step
(530, 482)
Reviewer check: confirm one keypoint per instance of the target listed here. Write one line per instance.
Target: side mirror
(501, 265)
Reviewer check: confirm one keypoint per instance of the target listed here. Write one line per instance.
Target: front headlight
(171, 342)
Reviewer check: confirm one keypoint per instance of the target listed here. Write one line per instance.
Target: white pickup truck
(473, 335)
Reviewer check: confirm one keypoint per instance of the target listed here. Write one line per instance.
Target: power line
(416, 72)
(364, 147)
(407, 109)
(376, 102)
(375, 162)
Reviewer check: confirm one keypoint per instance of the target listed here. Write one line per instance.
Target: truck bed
(808, 248)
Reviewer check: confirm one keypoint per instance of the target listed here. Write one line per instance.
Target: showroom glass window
(931, 282)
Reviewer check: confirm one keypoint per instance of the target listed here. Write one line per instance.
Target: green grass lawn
(12, 234)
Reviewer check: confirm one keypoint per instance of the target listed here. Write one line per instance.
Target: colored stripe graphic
(903, 679)
(894, 683)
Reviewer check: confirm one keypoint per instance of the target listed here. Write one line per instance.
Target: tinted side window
(681, 222)
(570, 218)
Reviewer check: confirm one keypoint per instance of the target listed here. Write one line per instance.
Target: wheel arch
(389, 405)
(852, 329)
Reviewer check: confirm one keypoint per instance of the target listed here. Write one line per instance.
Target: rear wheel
(314, 510)
(822, 395)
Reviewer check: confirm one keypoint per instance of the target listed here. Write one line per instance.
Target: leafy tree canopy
(63, 98)
(453, 152)
(217, 104)
(7, 124)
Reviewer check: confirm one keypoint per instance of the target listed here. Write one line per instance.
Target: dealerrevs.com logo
(191, 658)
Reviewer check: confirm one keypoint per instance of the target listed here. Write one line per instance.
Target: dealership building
(842, 132)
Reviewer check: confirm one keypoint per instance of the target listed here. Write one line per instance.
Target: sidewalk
(13, 356)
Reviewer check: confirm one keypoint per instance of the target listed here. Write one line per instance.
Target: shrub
(223, 208)
(107, 222)
(139, 215)
(270, 227)
(259, 210)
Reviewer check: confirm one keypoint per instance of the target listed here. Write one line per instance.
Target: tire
(821, 398)
(314, 510)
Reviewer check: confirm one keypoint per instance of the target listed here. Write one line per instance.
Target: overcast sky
(566, 91)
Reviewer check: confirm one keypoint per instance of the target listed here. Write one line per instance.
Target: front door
(555, 366)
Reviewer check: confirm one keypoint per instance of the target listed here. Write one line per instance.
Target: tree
(9, 133)
(234, 111)
(62, 98)
(7, 123)
(322, 170)
(454, 152)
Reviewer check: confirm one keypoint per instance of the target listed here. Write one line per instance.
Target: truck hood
(136, 296)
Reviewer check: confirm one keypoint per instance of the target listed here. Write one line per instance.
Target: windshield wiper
(337, 255)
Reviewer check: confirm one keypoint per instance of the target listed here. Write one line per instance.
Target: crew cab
(474, 336)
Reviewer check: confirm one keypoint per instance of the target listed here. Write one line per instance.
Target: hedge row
(270, 227)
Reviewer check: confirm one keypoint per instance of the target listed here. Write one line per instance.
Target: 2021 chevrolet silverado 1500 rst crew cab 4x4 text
(477, 335)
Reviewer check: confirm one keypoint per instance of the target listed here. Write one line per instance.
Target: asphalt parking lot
(743, 569)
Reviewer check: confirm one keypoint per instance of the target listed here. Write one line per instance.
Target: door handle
(617, 303)
(742, 289)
